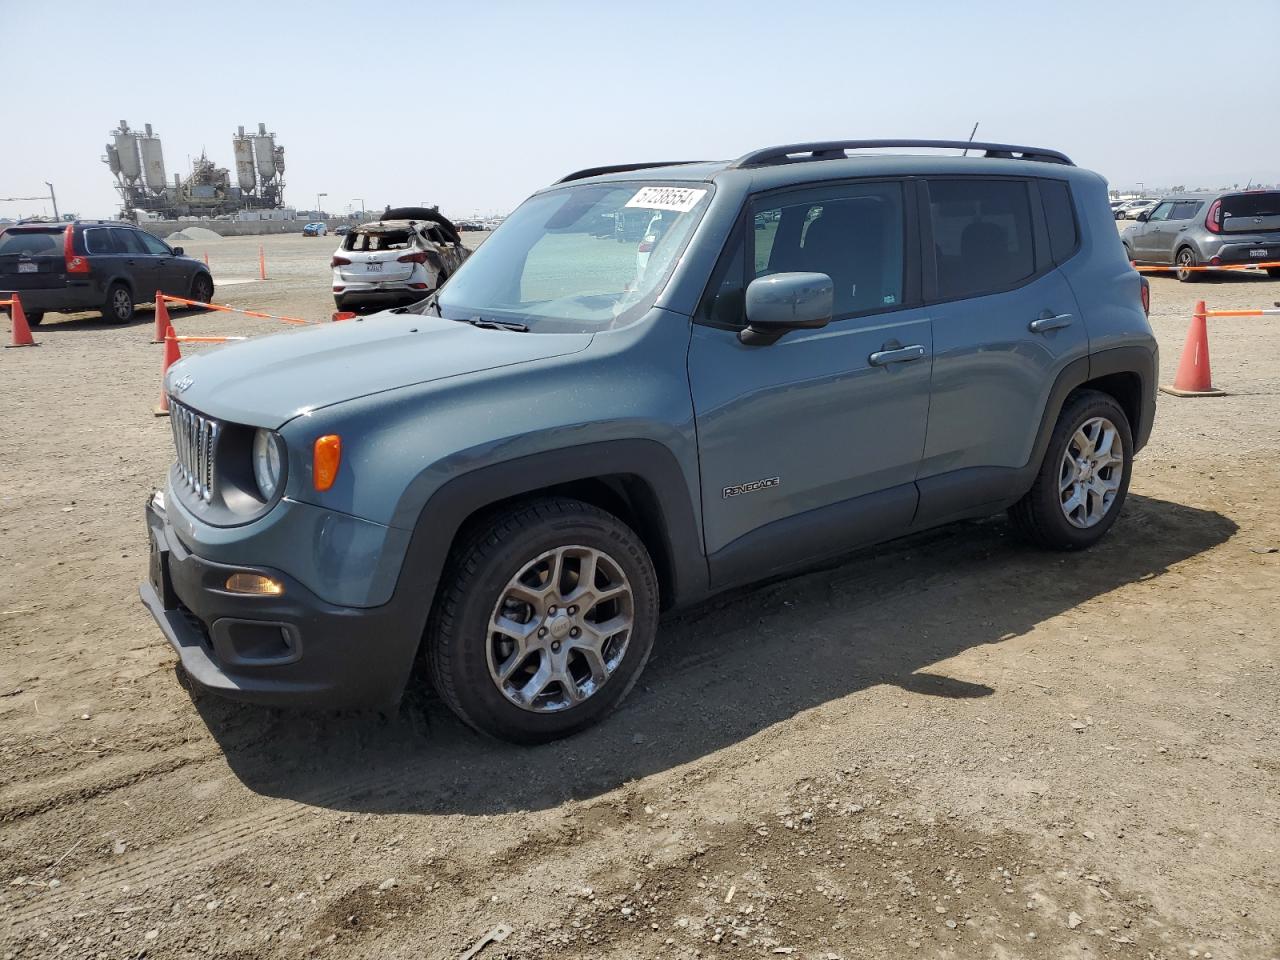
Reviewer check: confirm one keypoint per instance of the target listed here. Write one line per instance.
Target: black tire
(34, 319)
(1039, 516)
(1273, 273)
(202, 288)
(1186, 257)
(487, 556)
(119, 307)
(1128, 253)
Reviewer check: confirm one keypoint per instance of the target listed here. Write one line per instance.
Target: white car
(1131, 209)
(396, 261)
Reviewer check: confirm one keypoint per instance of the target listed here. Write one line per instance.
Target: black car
(94, 265)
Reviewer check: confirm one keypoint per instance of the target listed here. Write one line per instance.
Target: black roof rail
(835, 150)
(621, 168)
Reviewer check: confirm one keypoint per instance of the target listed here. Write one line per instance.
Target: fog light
(255, 584)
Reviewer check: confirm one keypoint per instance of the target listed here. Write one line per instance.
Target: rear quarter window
(99, 240)
(1060, 218)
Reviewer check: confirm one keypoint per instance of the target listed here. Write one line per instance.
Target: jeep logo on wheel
(752, 487)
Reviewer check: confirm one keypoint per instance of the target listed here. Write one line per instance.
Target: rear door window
(99, 240)
(1184, 209)
(982, 235)
(128, 240)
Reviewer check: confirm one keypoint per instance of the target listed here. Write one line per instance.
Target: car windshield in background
(579, 259)
(32, 242)
(1244, 212)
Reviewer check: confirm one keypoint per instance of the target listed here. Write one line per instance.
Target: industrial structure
(136, 160)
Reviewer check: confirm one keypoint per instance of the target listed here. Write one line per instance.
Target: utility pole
(53, 199)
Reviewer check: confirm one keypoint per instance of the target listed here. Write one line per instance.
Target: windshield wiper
(484, 324)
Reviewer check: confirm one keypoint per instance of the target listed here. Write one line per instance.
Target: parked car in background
(101, 265)
(396, 261)
(315, 230)
(510, 479)
(1131, 209)
(1189, 230)
(341, 231)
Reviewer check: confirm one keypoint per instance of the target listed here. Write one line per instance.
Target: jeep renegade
(821, 349)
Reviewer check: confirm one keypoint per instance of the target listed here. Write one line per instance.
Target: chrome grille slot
(195, 439)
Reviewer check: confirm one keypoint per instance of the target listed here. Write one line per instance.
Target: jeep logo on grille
(741, 488)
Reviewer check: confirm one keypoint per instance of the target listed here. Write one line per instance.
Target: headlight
(266, 462)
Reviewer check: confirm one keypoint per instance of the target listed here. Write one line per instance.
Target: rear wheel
(1273, 273)
(119, 306)
(1084, 478)
(547, 615)
(202, 288)
(34, 319)
(1185, 260)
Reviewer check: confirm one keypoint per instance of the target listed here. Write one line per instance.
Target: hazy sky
(475, 104)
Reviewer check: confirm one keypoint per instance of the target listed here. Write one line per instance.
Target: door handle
(1052, 322)
(899, 355)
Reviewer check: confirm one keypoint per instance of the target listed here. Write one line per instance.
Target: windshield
(578, 260)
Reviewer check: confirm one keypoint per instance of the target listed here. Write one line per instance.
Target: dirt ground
(950, 746)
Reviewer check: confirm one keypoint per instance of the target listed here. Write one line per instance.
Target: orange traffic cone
(206, 258)
(21, 329)
(171, 356)
(262, 264)
(1193, 378)
(340, 315)
(164, 326)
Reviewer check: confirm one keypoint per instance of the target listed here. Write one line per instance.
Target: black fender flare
(1138, 360)
(444, 513)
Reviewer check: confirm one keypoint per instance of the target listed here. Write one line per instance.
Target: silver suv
(1208, 229)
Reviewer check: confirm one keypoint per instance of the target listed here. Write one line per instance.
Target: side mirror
(1143, 217)
(177, 252)
(786, 301)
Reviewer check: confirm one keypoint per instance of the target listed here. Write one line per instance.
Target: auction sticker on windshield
(679, 199)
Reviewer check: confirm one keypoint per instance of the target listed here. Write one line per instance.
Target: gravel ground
(950, 746)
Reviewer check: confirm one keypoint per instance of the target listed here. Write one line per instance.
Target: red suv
(94, 265)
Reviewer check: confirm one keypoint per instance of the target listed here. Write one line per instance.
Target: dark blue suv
(103, 265)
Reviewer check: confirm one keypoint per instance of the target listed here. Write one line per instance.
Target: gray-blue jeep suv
(806, 350)
(1189, 230)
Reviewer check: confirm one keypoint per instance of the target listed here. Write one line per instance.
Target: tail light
(418, 256)
(1213, 219)
(646, 245)
(75, 262)
(1146, 296)
(339, 262)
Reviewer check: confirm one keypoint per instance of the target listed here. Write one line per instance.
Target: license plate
(28, 268)
(1260, 254)
(374, 267)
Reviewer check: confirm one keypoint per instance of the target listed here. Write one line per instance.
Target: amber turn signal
(254, 583)
(326, 456)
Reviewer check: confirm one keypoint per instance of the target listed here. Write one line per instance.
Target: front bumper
(291, 649)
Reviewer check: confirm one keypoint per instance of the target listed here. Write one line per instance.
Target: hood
(268, 381)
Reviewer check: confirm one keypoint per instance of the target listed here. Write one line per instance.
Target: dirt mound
(192, 233)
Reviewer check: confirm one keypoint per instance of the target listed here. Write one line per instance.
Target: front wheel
(1273, 273)
(1084, 477)
(202, 288)
(547, 614)
(34, 319)
(1185, 262)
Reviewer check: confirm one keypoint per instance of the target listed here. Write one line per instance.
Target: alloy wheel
(1091, 472)
(560, 629)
